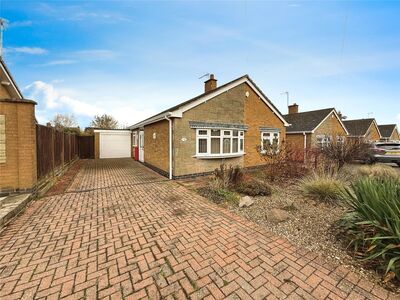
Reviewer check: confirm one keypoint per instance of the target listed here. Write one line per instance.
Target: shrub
(325, 185)
(228, 176)
(254, 187)
(378, 170)
(219, 195)
(283, 164)
(373, 222)
(341, 151)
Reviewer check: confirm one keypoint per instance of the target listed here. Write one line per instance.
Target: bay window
(219, 142)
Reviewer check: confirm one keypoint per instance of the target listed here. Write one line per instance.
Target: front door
(141, 146)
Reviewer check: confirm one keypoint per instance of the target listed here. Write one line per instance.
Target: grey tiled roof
(306, 121)
(386, 130)
(358, 127)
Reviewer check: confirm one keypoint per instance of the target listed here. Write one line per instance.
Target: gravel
(312, 225)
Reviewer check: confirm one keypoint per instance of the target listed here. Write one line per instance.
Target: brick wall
(372, 133)
(257, 114)
(395, 136)
(230, 107)
(19, 170)
(224, 108)
(156, 145)
(295, 141)
(331, 126)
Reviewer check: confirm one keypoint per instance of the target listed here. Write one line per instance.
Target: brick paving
(123, 232)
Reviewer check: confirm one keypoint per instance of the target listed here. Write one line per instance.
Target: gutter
(170, 145)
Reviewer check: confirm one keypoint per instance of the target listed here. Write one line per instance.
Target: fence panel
(54, 149)
(86, 147)
(45, 150)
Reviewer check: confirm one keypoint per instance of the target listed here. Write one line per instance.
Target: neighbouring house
(365, 129)
(389, 132)
(315, 128)
(18, 166)
(226, 124)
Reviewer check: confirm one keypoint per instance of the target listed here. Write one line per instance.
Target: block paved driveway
(123, 232)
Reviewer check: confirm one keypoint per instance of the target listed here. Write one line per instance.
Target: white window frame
(270, 138)
(134, 139)
(224, 134)
(323, 140)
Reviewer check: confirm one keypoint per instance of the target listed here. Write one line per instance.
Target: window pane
(202, 145)
(241, 133)
(215, 146)
(202, 132)
(235, 133)
(226, 145)
(215, 132)
(235, 146)
(266, 134)
(227, 132)
(241, 145)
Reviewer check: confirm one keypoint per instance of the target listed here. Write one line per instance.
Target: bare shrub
(286, 162)
(340, 152)
(228, 176)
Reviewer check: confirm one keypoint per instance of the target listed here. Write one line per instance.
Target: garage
(112, 143)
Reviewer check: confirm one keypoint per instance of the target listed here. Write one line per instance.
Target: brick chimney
(210, 84)
(293, 109)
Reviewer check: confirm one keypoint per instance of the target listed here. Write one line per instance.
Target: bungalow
(226, 124)
(314, 128)
(365, 129)
(389, 132)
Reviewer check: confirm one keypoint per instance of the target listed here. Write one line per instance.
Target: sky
(132, 59)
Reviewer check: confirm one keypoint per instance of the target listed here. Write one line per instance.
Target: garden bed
(311, 224)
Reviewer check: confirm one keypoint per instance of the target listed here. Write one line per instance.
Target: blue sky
(132, 59)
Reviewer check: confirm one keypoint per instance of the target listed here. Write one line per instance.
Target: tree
(63, 122)
(104, 122)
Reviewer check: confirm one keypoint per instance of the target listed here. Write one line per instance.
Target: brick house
(365, 129)
(313, 128)
(389, 132)
(17, 137)
(226, 124)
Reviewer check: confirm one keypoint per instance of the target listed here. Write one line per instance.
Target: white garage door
(115, 144)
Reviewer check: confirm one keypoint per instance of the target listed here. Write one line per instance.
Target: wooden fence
(86, 146)
(55, 149)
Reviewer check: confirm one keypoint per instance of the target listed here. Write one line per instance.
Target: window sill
(217, 156)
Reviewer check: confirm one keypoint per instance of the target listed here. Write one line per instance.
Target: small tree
(104, 122)
(63, 122)
(342, 151)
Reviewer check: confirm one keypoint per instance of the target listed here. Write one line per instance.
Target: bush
(341, 151)
(228, 176)
(253, 188)
(378, 170)
(325, 185)
(219, 195)
(373, 222)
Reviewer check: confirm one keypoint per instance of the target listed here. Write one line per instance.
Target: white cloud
(27, 50)
(59, 62)
(53, 100)
(20, 24)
